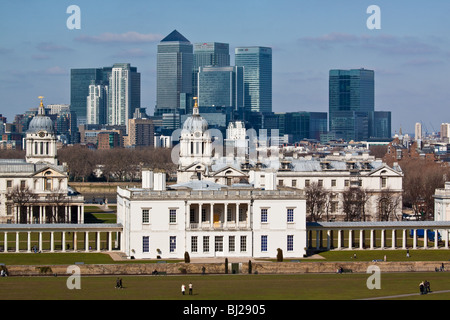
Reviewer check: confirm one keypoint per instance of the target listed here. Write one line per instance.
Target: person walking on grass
(190, 288)
(183, 289)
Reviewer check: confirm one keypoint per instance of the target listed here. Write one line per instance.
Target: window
(241, 214)
(280, 183)
(9, 184)
(192, 216)
(205, 244)
(264, 243)
(145, 244)
(218, 244)
(243, 243)
(145, 216)
(320, 183)
(203, 214)
(333, 183)
(383, 182)
(172, 216)
(231, 244)
(290, 243)
(263, 215)
(294, 183)
(173, 243)
(290, 215)
(346, 183)
(194, 244)
(23, 184)
(307, 183)
(9, 210)
(229, 214)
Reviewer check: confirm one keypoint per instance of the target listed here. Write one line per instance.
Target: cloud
(128, 37)
(51, 47)
(131, 53)
(386, 44)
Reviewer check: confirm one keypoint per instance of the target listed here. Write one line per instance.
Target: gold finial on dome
(41, 106)
(195, 110)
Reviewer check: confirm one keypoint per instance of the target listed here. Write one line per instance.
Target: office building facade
(257, 63)
(351, 103)
(174, 74)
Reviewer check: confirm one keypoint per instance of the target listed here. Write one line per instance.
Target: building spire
(41, 110)
(195, 109)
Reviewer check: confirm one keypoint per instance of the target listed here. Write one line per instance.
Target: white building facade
(210, 220)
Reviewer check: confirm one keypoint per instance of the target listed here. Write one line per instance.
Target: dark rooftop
(175, 36)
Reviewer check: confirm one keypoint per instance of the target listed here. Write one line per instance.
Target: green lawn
(226, 287)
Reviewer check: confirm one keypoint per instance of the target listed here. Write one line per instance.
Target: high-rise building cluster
(108, 99)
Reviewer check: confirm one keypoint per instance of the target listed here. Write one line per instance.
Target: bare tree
(388, 204)
(354, 203)
(22, 197)
(316, 200)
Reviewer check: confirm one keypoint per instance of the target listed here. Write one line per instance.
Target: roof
(199, 185)
(175, 36)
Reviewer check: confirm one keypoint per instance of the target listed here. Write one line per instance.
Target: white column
(110, 241)
(371, 238)
(75, 240)
(436, 240)
(98, 240)
(78, 215)
(5, 249)
(361, 239)
(339, 239)
(415, 239)
(328, 239)
(394, 240)
(446, 238)
(41, 215)
(425, 238)
(225, 216)
(382, 238)
(404, 239)
(52, 241)
(17, 241)
(211, 215)
(63, 241)
(40, 240)
(82, 213)
(29, 241)
(350, 238)
(86, 244)
(200, 209)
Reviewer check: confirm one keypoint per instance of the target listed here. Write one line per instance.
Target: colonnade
(39, 214)
(79, 238)
(228, 215)
(387, 235)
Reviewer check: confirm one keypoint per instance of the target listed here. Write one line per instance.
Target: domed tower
(41, 139)
(195, 140)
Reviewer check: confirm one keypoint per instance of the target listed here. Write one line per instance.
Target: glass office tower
(221, 86)
(351, 103)
(80, 80)
(209, 54)
(257, 63)
(174, 73)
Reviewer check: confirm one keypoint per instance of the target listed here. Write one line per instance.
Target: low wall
(219, 268)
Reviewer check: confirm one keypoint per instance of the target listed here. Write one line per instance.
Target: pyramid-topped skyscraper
(174, 75)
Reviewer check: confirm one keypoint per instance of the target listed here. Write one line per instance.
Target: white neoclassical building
(35, 189)
(207, 218)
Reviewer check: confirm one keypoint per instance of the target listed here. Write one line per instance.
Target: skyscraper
(174, 73)
(351, 103)
(97, 102)
(221, 86)
(209, 54)
(81, 79)
(257, 63)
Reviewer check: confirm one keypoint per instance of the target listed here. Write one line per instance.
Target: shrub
(279, 255)
(187, 258)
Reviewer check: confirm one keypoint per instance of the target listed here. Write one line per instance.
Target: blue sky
(410, 53)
